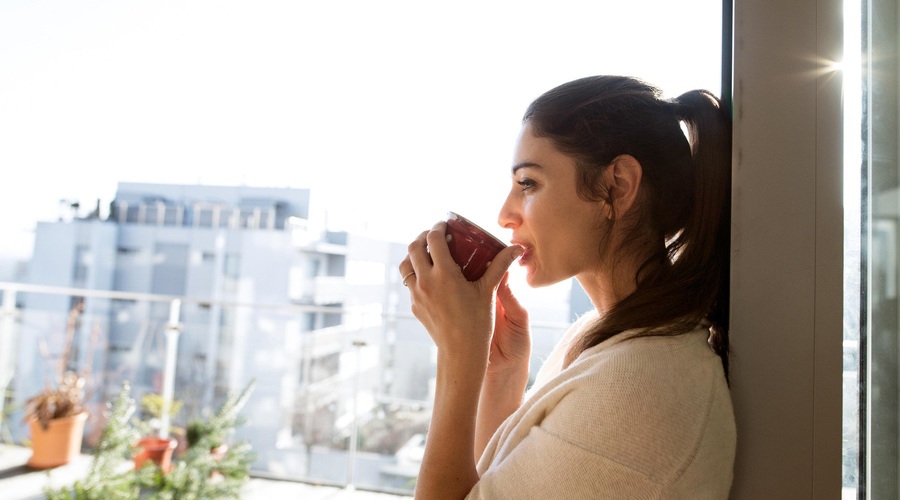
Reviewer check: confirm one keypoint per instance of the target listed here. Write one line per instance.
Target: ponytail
(706, 237)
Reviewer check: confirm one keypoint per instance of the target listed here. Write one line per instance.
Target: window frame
(787, 249)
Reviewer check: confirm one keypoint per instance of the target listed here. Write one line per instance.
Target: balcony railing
(346, 405)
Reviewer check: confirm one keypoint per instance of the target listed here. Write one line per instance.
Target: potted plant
(196, 475)
(212, 433)
(56, 417)
(209, 454)
(202, 430)
(106, 478)
(155, 449)
(152, 447)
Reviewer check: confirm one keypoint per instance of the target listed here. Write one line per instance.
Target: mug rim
(454, 215)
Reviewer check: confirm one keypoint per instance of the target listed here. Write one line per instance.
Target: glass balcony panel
(338, 405)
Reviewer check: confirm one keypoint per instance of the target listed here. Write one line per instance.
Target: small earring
(608, 211)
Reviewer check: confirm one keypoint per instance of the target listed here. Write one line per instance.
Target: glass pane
(880, 215)
(368, 105)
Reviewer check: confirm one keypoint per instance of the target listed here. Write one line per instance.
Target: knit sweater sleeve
(565, 471)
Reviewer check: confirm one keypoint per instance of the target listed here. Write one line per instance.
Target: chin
(535, 280)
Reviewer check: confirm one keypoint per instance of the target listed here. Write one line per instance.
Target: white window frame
(786, 279)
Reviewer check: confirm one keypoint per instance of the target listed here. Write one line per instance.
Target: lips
(526, 254)
(523, 260)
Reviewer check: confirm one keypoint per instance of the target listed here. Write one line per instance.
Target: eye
(526, 183)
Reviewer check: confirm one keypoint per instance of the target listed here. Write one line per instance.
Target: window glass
(370, 105)
(877, 218)
(390, 113)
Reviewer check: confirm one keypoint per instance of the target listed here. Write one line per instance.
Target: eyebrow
(524, 164)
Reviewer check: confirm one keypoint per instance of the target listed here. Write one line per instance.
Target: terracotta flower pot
(57, 445)
(156, 449)
(219, 452)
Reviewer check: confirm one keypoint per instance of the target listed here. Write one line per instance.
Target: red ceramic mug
(472, 247)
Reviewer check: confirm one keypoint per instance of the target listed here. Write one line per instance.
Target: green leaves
(197, 474)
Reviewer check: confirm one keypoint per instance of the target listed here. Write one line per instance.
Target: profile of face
(562, 234)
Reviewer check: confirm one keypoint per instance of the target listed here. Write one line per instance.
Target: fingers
(500, 265)
(504, 292)
(406, 268)
(511, 305)
(418, 254)
(427, 250)
(437, 244)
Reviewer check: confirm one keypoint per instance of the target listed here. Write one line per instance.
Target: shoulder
(644, 401)
(554, 362)
(639, 362)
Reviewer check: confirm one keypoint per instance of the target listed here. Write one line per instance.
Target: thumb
(500, 264)
(509, 304)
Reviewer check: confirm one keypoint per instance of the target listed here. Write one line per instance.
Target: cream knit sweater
(642, 417)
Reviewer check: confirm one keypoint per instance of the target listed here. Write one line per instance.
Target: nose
(509, 216)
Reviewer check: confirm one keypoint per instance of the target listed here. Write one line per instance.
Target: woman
(633, 402)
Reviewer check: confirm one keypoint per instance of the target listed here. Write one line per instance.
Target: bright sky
(392, 112)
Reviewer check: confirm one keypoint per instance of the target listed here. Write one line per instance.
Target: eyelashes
(526, 184)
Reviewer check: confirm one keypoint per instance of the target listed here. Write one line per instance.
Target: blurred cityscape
(318, 318)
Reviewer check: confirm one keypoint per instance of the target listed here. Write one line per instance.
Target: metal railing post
(172, 332)
(354, 434)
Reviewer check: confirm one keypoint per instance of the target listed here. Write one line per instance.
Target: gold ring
(407, 275)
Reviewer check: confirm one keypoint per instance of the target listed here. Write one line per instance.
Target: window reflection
(880, 215)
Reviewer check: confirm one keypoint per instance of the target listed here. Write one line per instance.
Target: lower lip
(523, 260)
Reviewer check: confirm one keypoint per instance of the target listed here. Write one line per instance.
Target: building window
(232, 272)
(81, 266)
(170, 269)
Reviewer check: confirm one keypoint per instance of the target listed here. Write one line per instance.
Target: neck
(608, 285)
(606, 290)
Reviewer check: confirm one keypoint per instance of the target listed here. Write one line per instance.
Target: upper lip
(520, 243)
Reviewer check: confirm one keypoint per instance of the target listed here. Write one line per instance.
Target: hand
(506, 376)
(511, 341)
(457, 313)
(459, 316)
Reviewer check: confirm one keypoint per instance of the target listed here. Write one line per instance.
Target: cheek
(545, 216)
(528, 207)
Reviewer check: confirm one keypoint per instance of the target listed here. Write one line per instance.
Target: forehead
(532, 150)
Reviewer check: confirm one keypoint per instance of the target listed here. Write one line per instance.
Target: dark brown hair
(684, 207)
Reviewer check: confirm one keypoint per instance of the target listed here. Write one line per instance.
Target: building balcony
(329, 290)
(320, 290)
(327, 408)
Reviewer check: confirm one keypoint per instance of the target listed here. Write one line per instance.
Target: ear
(624, 181)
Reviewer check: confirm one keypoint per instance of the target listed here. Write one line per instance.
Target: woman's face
(560, 232)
